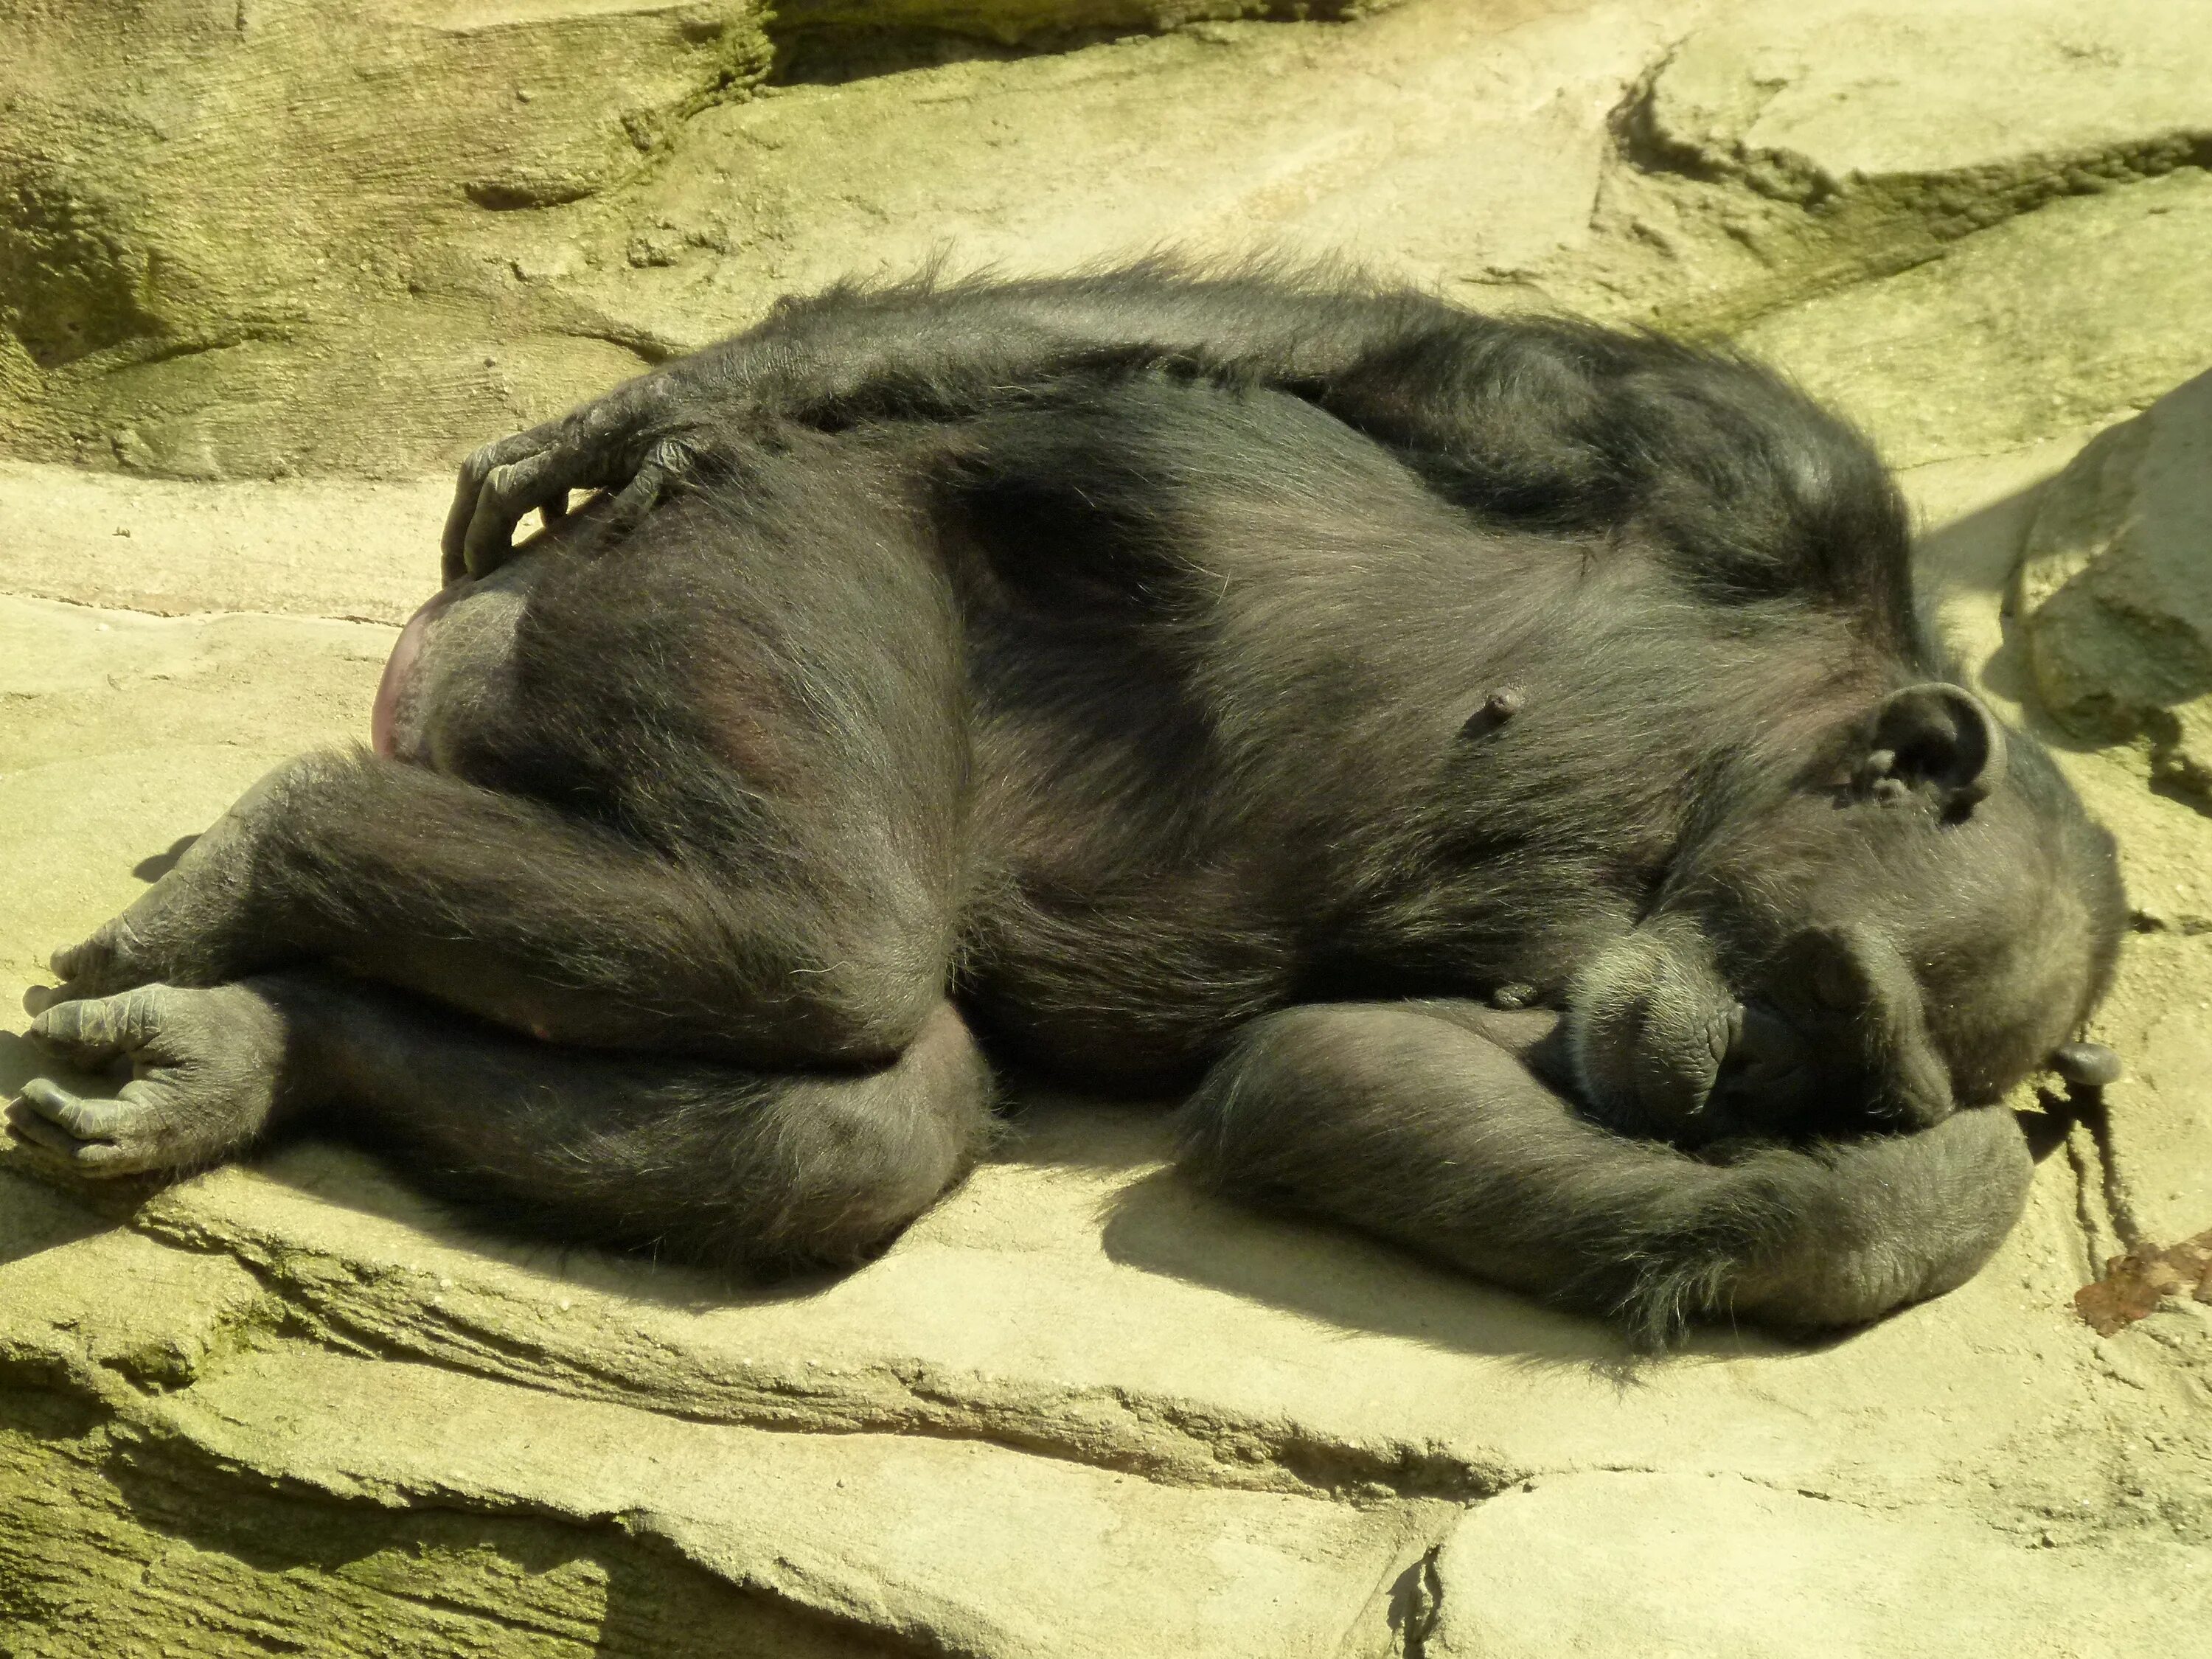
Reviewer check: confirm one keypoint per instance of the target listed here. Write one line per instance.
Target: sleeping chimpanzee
(1498, 761)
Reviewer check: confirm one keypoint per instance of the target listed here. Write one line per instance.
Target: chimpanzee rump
(1498, 763)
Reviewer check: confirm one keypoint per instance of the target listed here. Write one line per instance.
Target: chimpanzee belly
(1125, 918)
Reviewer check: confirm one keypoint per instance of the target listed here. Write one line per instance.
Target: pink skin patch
(390, 689)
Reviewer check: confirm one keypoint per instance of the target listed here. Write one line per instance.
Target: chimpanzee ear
(1933, 740)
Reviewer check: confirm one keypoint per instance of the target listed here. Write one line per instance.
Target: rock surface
(1979, 109)
(1079, 1408)
(2115, 593)
(204, 209)
(1864, 1582)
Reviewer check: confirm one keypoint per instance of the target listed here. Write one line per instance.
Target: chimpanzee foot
(206, 1067)
(114, 959)
(194, 926)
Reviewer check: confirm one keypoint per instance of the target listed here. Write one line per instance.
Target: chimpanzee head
(1920, 917)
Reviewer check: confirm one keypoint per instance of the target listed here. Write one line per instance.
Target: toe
(29, 1119)
(88, 1033)
(82, 1119)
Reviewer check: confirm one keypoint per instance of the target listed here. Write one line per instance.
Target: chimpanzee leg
(1403, 1120)
(509, 909)
(719, 812)
(702, 1161)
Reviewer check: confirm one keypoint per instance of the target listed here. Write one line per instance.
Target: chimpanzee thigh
(697, 1161)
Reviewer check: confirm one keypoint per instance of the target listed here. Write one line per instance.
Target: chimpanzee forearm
(547, 925)
(929, 351)
(941, 352)
(1405, 1121)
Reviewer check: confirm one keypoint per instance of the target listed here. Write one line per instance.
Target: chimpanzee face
(1922, 919)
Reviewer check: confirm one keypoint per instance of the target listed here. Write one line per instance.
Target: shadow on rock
(1158, 1221)
(35, 1217)
(379, 1210)
(1163, 1224)
(154, 866)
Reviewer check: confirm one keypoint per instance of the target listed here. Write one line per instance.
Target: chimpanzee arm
(1749, 487)
(922, 350)
(1408, 1121)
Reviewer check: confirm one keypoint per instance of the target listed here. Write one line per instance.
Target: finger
(71, 961)
(40, 998)
(666, 467)
(100, 965)
(88, 1033)
(509, 491)
(468, 488)
(63, 1031)
(86, 1120)
(555, 509)
(631, 503)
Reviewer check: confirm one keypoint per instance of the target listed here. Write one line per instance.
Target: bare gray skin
(206, 1070)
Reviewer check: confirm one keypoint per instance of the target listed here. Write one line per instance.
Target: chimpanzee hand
(628, 440)
(206, 1069)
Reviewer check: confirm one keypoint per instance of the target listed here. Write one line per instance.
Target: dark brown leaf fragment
(2133, 1284)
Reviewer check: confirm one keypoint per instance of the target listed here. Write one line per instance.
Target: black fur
(1175, 681)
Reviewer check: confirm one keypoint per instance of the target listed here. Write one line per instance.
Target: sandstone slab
(1703, 1568)
(1781, 152)
(1979, 108)
(2115, 589)
(202, 210)
(851, 1543)
(359, 549)
(1930, 360)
